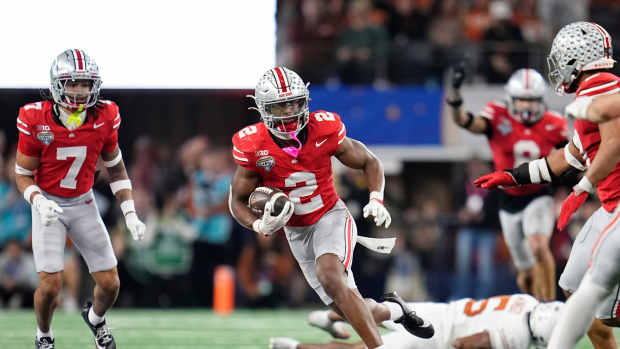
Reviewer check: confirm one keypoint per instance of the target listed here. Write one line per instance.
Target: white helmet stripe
(527, 79)
(605, 37)
(79, 59)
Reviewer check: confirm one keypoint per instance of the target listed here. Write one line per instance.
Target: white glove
(135, 226)
(578, 109)
(376, 209)
(269, 224)
(49, 211)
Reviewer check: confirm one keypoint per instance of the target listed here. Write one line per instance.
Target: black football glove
(457, 75)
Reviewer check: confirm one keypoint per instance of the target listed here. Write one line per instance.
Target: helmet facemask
(562, 78)
(68, 95)
(527, 110)
(285, 117)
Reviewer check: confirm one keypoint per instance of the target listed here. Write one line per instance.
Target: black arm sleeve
(489, 130)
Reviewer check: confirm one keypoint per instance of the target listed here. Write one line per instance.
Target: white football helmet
(577, 47)
(542, 320)
(282, 99)
(528, 85)
(74, 64)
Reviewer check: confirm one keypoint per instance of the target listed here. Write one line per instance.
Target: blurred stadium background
(180, 71)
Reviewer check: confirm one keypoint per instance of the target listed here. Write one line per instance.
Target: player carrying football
(291, 150)
(59, 144)
(520, 129)
(579, 62)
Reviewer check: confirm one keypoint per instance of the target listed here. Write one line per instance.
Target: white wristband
(378, 195)
(586, 185)
(572, 160)
(127, 206)
(256, 225)
(23, 171)
(29, 190)
(120, 185)
(539, 171)
(114, 161)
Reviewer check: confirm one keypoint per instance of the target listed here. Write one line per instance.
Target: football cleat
(282, 343)
(337, 329)
(410, 321)
(44, 343)
(103, 337)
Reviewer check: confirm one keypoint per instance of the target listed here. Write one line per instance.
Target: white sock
(381, 347)
(41, 334)
(396, 312)
(577, 315)
(93, 318)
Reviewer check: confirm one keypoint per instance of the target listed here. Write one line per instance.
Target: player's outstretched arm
(597, 110)
(120, 184)
(543, 170)
(354, 154)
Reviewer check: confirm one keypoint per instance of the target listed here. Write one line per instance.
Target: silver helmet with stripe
(74, 65)
(526, 89)
(281, 98)
(578, 47)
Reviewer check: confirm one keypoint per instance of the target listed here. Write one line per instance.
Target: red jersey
(307, 179)
(513, 143)
(67, 158)
(587, 137)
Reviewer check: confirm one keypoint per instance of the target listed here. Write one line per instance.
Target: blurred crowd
(448, 246)
(384, 42)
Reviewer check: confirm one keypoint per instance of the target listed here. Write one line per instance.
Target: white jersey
(504, 317)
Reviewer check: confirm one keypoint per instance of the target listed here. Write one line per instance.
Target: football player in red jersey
(520, 129)
(292, 150)
(579, 62)
(59, 144)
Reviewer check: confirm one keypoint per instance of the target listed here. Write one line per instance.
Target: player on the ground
(520, 129)
(291, 150)
(59, 144)
(501, 322)
(580, 61)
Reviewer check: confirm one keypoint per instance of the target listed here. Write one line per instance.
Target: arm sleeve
(112, 140)
(242, 153)
(27, 143)
(488, 115)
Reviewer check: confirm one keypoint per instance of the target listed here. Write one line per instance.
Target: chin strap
(293, 151)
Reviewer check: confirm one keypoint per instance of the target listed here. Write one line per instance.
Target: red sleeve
(243, 149)
(112, 114)
(331, 131)
(27, 143)
(598, 85)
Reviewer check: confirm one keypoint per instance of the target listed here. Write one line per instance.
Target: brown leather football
(261, 195)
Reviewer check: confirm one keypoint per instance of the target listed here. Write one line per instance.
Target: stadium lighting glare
(141, 44)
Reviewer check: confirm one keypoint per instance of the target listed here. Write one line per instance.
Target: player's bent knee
(614, 322)
(50, 284)
(108, 282)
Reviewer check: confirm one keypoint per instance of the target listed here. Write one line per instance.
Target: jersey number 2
(309, 186)
(79, 155)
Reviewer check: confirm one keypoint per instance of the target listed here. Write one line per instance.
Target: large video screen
(141, 44)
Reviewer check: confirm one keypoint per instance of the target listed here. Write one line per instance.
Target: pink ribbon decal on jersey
(293, 151)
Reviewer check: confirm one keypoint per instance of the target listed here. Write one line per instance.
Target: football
(261, 195)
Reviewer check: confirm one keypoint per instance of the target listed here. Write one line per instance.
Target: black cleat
(103, 337)
(410, 321)
(44, 343)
